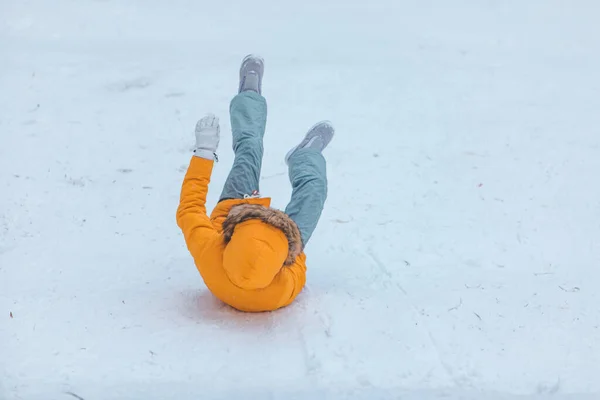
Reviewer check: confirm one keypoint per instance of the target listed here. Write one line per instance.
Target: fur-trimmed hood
(276, 218)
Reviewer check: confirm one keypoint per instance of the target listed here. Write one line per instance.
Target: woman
(252, 256)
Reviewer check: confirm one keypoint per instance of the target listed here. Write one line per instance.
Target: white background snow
(458, 255)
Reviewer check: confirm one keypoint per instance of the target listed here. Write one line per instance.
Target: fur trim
(278, 219)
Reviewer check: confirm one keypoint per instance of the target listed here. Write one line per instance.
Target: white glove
(207, 137)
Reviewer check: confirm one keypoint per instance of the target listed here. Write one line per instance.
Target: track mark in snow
(341, 221)
(326, 321)
(311, 363)
(131, 84)
(378, 262)
(456, 307)
(447, 368)
(78, 182)
(443, 363)
(478, 286)
(74, 395)
(387, 273)
(574, 289)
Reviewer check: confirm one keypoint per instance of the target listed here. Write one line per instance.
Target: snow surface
(458, 255)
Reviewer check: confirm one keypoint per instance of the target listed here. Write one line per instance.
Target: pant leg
(248, 112)
(308, 175)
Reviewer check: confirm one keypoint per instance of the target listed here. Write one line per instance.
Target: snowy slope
(458, 254)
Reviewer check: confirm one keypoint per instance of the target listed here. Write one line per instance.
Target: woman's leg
(308, 175)
(248, 112)
(307, 170)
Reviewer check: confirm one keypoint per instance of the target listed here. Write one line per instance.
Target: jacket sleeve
(191, 213)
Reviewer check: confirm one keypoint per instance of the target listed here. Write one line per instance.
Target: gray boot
(251, 73)
(318, 137)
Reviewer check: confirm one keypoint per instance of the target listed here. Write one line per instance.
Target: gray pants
(307, 168)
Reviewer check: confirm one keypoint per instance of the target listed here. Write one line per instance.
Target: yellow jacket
(254, 267)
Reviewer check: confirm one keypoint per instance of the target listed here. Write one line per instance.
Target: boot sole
(312, 132)
(261, 61)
